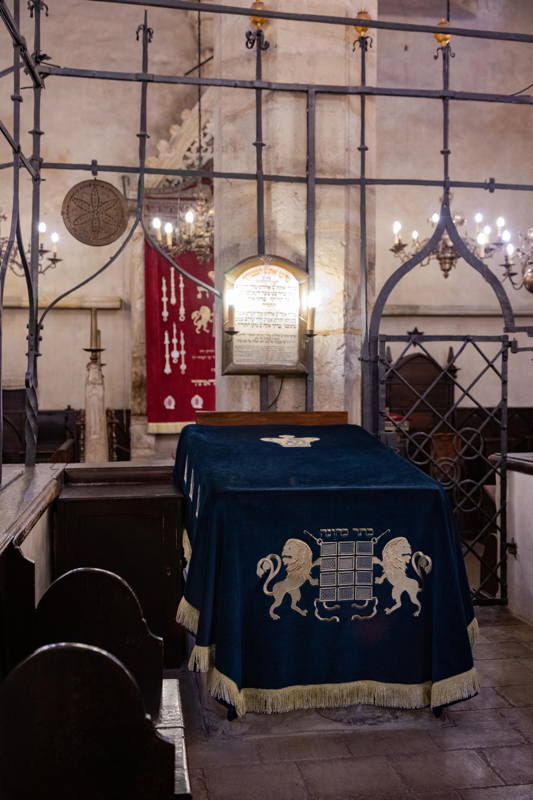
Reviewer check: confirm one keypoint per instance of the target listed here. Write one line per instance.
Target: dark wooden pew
(94, 606)
(73, 725)
(97, 607)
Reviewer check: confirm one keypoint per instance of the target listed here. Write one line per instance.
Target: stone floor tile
(380, 743)
(514, 764)
(485, 698)
(470, 737)
(519, 718)
(448, 795)
(198, 784)
(474, 716)
(221, 752)
(451, 770)
(510, 649)
(495, 615)
(500, 793)
(508, 633)
(518, 695)
(503, 672)
(256, 781)
(523, 633)
(302, 748)
(351, 778)
(360, 717)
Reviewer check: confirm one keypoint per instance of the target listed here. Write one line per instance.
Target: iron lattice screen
(423, 417)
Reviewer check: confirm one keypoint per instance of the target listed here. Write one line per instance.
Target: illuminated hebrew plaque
(265, 317)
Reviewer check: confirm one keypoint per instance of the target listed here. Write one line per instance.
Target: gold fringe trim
(202, 658)
(458, 687)
(391, 695)
(188, 616)
(186, 544)
(473, 632)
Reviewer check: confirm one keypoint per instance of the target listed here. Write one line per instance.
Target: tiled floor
(481, 749)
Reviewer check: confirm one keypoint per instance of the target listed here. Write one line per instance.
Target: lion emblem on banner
(395, 558)
(297, 559)
(201, 318)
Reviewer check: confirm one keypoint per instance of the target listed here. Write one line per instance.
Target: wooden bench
(73, 725)
(96, 607)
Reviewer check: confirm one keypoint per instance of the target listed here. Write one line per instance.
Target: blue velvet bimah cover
(324, 570)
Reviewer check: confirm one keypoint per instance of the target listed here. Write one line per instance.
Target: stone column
(298, 53)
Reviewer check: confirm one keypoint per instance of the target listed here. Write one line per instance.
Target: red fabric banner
(180, 343)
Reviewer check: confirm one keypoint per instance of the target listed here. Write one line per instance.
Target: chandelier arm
(481, 267)
(176, 266)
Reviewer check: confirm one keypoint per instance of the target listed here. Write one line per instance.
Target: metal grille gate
(456, 445)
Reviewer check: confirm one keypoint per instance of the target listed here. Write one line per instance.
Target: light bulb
(415, 236)
(168, 231)
(478, 218)
(41, 227)
(55, 238)
(396, 227)
(486, 230)
(189, 216)
(500, 222)
(435, 218)
(156, 223)
(506, 236)
(510, 250)
(481, 238)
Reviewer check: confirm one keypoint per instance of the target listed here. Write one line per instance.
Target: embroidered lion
(395, 559)
(201, 318)
(297, 559)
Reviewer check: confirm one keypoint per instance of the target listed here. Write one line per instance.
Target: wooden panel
(131, 530)
(272, 417)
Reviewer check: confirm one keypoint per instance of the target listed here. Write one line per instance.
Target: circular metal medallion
(95, 212)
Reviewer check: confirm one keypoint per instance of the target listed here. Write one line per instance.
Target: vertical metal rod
(147, 33)
(260, 185)
(310, 232)
(363, 255)
(31, 378)
(199, 62)
(504, 444)
(446, 124)
(6, 255)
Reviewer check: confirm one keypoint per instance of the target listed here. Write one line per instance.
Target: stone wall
(89, 119)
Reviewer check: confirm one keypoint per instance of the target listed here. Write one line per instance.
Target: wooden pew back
(72, 725)
(97, 607)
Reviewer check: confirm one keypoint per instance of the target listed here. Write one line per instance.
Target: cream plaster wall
(520, 567)
(298, 53)
(82, 120)
(88, 119)
(487, 140)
